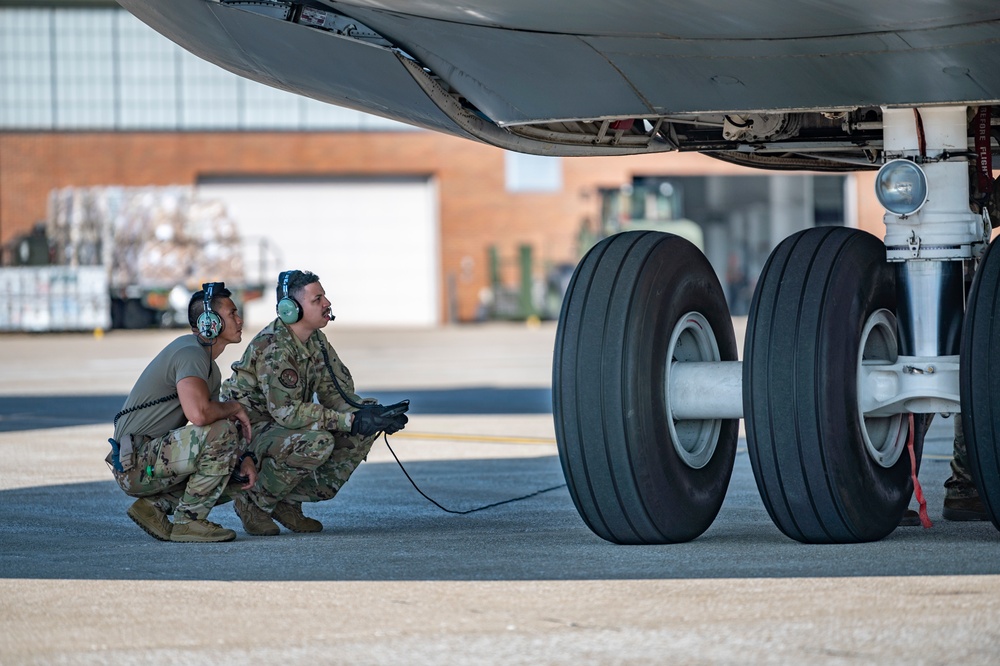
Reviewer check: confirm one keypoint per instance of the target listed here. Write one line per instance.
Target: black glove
(369, 420)
(398, 423)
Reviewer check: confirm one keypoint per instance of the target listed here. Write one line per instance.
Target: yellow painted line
(496, 439)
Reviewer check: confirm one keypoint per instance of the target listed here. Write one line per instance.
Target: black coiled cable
(385, 438)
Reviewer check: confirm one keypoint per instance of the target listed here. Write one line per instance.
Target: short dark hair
(197, 304)
(296, 281)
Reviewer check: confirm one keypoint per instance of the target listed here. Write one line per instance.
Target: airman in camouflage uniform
(961, 497)
(308, 436)
(171, 466)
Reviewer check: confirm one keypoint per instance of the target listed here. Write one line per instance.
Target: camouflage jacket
(282, 380)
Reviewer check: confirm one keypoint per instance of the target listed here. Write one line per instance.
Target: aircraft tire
(625, 475)
(814, 472)
(979, 380)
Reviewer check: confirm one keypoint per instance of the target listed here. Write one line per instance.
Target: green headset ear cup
(288, 310)
(210, 325)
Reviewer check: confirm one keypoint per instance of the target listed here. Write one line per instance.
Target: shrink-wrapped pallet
(147, 237)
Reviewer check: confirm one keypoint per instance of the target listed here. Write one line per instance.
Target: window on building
(25, 69)
(148, 72)
(84, 68)
(100, 68)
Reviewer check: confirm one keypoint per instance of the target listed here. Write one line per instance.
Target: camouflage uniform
(302, 435)
(181, 468)
(185, 470)
(960, 484)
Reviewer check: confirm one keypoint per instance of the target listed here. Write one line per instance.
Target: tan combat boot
(200, 531)
(151, 518)
(290, 515)
(255, 519)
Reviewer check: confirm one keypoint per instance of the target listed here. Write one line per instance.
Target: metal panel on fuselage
(519, 77)
(692, 19)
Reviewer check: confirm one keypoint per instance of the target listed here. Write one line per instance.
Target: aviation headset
(210, 324)
(288, 309)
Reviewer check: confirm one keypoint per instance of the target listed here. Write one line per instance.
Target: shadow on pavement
(379, 528)
(35, 412)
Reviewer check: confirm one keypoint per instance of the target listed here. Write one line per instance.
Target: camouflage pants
(960, 484)
(184, 471)
(304, 465)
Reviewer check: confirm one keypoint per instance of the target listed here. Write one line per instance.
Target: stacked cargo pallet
(130, 246)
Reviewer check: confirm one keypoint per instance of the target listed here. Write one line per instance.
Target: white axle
(921, 385)
(704, 390)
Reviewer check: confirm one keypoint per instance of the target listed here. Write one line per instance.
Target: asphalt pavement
(394, 579)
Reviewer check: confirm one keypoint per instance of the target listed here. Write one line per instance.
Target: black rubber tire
(800, 394)
(626, 478)
(979, 380)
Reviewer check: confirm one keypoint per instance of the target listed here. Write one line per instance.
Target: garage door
(373, 243)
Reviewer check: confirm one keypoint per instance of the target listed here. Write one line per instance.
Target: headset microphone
(210, 324)
(288, 309)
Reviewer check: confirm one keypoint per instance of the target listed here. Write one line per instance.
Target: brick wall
(475, 209)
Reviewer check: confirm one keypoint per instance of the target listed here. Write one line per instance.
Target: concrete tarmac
(393, 579)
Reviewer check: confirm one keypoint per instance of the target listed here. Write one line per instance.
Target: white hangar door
(373, 243)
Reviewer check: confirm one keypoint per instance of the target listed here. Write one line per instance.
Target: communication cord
(385, 438)
(462, 513)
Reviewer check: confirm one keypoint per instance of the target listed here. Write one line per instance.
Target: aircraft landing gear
(846, 338)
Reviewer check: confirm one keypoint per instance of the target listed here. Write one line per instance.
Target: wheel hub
(884, 437)
(692, 340)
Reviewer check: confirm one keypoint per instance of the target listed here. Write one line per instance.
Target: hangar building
(91, 97)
